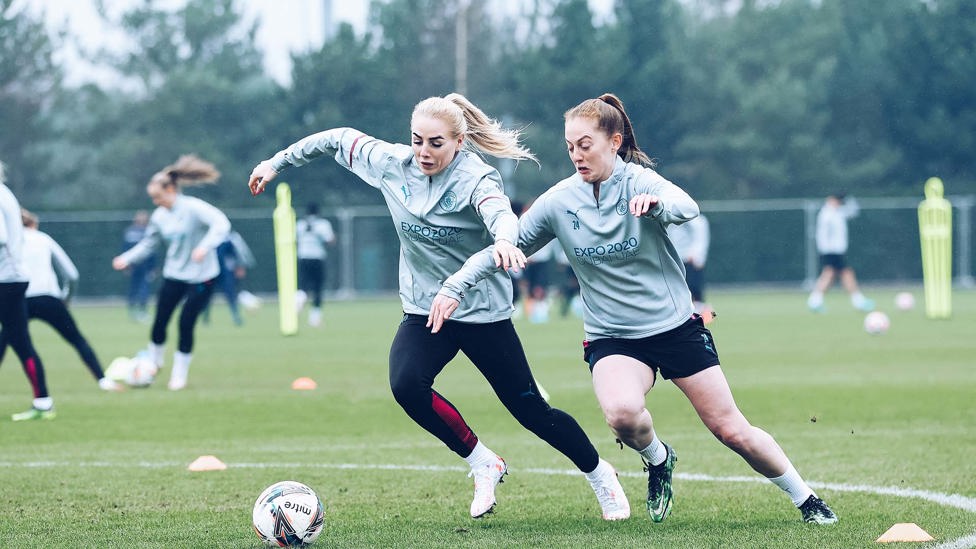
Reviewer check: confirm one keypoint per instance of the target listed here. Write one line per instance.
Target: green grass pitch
(881, 426)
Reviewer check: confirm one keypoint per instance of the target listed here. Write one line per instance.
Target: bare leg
(849, 280)
(826, 278)
(711, 396)
(621, 385)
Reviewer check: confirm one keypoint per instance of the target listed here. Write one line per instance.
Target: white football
(119, 369)
(905, 301)
(288, 514)
(876, 323)
(143, 371)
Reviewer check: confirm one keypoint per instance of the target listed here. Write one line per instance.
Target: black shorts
(836, 261)
(681, 352)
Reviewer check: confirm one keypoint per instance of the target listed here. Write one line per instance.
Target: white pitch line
(946, 500)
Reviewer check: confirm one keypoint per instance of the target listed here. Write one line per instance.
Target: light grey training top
(12, 268)
(631, 278)
(441, 220)
(189, 224)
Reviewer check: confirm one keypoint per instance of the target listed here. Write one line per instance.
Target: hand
(441, 310)
(261, 175)
(119, 264)
(198, 254)
(507, 255)
(643, 203)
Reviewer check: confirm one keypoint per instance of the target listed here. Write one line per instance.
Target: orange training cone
(905, 531)
(207, 463)
(304, 384)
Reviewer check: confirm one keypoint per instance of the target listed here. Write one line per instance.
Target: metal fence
(754, 242)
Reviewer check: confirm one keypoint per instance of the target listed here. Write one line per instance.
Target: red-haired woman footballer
(611, 219)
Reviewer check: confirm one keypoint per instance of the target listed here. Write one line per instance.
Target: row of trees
(770, 99)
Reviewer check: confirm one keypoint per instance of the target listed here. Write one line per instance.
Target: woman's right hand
(440, 312)
(119, 264)
(261, 175)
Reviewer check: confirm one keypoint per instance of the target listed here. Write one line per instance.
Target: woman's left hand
(441, 310)
(643, 203)
(508, 256)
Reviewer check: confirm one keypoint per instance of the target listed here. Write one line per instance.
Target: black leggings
(53, 311)
(311, 278)
(417, 356)
(13, 320)
(170, 294)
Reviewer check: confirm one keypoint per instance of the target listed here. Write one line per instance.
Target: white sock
(655, 453)
(43, 403)
(602, 469)
(793, 485)
(815, 299)
(480, 455)
(156, 353)
(181, 365)
(857, 299)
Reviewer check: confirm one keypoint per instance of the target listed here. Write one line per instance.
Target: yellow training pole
(935, 228)
(286, 256)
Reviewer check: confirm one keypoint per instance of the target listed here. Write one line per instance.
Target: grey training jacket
(440, 220)
(631, 278)
(189, 224)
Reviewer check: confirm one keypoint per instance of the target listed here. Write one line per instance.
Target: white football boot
(486, 477)
(610, 494)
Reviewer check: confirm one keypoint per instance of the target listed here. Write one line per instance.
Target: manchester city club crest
(621, 207)
(449, 201)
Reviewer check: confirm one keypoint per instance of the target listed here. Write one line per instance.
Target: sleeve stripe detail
(353, 147)
(487, 198)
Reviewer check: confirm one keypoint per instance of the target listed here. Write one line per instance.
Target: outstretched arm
(534, 233)
(365, 156)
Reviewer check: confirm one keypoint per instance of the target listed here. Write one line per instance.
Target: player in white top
(314, 235)
(191, 230)
(13, 304)
(446, 204)
(832, 241)
(53, 277)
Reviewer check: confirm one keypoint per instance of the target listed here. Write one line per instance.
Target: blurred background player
(53, 278)
(191, 229)
(140, 273)
(569, 289)
(691, 240)
(538, 269)
(13, 303)
(235, 258)
(832, 242)
(314, 235)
